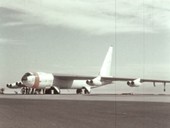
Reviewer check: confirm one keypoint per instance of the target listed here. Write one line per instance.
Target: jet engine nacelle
(9, 85)
(134, 83)
(15, 85)
(19, 84)
(94, 82)
(98, 82)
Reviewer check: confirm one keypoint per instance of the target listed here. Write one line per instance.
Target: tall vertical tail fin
(105, 70)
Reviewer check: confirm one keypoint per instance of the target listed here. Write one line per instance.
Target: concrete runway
(84, 111)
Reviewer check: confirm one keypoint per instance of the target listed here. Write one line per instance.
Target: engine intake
(134, 83)
(9, 85)
(94, 82)
(89, 82)
(19, 84)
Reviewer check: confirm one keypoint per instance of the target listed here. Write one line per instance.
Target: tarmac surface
(84, 111)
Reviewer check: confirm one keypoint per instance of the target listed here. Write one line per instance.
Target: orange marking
(37, 80)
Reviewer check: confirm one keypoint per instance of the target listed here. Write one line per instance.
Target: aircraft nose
(24, 78)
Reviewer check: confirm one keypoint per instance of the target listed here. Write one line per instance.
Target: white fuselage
(42, 80)
(39, 80)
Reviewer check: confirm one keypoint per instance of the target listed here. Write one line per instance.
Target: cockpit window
(28, 74)
(25, 76)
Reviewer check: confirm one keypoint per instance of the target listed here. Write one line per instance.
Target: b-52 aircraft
(55, 82)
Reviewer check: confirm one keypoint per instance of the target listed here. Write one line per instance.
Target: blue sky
(74, 36)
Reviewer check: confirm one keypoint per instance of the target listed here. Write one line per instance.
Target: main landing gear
(52, 90)
(86, 91)
(80, 91)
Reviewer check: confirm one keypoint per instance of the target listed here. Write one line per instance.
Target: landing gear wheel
(86, 91)
(79, 91)
(47, 91)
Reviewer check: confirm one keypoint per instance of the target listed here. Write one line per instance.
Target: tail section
(105, 70)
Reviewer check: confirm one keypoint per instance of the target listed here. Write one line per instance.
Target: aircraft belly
(78, 84)
(69, 84)
(63, 84)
